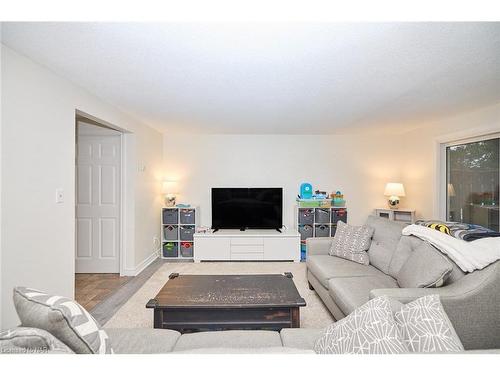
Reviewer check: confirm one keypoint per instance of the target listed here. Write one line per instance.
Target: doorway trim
(127, 223)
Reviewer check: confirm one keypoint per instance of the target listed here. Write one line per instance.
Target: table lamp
(394, 190)
(170, 190)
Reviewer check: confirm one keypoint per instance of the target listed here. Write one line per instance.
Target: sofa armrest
(471, 303)
(318, 245)
(27, 340)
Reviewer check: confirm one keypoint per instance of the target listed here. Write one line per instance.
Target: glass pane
(472, 180)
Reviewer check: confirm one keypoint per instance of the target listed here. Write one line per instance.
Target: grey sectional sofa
(472, 301)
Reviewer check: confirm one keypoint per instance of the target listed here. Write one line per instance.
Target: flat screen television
(247, 208)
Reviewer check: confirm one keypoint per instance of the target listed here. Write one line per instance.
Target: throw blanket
(469, 256)
(466, 232)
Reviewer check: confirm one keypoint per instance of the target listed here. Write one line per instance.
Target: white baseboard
(141, 266)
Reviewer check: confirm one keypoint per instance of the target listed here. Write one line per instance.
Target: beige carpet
(135, 314)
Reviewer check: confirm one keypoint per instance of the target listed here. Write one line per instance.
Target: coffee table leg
(295, 317)
(158, 318)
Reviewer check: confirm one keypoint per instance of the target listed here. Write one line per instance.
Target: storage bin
(170, 216)
(333, 229)
(338, 202)
(186, 216)
(170, 250)
(170, 233)
(186, 249)
(186, 232)
(339, 215)
(306, 215)
(305, 231)
(322, 230)
(322, 215)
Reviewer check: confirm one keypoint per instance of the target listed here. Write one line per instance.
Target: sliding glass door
(472, 181)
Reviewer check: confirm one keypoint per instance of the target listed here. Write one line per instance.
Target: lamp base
(169, 201)
(393, 202)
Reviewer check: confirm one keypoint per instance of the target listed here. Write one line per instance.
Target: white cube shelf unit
(178, 225)
(318, 221)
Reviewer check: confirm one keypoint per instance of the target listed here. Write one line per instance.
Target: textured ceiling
(273, 78)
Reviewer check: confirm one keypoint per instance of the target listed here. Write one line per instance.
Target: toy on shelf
(338, 199)
(320, 195)
(306, 190)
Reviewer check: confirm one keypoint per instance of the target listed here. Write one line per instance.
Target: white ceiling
(273, 78)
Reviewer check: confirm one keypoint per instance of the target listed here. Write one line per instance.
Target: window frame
(442, 170)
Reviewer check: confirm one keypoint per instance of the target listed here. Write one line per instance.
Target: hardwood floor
(92, 288)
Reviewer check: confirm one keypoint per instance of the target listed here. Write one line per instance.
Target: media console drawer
(247, 241)
(247, 256)
(247, 248)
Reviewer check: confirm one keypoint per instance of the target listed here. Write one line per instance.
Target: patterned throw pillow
(426, 328)
(370, 329)
(352, 243)
(63, 318)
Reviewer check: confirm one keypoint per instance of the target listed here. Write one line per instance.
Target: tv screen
(252, 208)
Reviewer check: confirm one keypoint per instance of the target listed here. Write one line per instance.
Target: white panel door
(98, 167)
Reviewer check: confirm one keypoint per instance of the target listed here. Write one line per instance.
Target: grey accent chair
(472, 301)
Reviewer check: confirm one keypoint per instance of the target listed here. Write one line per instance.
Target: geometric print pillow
(426, 328)
(64, 318)
(352, 243)
(370, 329)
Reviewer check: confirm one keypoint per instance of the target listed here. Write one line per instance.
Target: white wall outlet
(59, 196)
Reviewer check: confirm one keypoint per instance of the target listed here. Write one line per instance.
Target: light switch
(59, 195)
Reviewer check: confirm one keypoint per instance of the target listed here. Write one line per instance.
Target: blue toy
(306, 190)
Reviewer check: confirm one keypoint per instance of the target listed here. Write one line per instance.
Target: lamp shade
(394, 189)
(170, 187)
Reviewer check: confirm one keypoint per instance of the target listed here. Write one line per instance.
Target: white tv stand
(251, 244)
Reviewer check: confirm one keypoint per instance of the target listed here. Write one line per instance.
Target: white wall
(38, 156)
(358, 165)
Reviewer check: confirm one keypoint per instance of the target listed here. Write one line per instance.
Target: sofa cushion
(27, 340)
(142, 340)
(370, 329)
(425, 268)
(63, 318)
(300, 338)
(405, 247)
(426, 328)
(352, 242)
(228, 339)
(324, 267)
(385, 240)
(349, 293)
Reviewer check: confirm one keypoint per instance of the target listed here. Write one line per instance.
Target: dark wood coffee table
(190, 303)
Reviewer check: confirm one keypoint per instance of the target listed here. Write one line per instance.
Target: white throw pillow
(370, 329)
(352, 242)
(426, 328)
